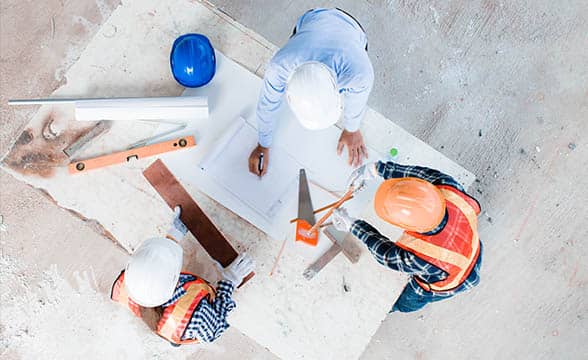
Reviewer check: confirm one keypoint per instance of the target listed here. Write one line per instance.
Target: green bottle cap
(393, 152)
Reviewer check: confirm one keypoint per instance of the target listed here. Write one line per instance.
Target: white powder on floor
(47, 318)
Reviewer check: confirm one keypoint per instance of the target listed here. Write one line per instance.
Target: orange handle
(292, 221)
(124, 156)
(302, 233)
(348, 195)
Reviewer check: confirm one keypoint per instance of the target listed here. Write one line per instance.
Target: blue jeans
(410, 301)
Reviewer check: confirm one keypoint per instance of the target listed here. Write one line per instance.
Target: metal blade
(100, 127)
(146, 141)
(305, 209)
(318, 265)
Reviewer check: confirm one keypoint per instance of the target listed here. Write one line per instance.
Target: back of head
(313, 96)
(153, 271)
(410, 203)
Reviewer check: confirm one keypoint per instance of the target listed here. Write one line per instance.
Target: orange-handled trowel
(305, 219)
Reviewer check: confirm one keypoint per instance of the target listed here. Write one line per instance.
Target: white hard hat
(313, 96)
(153, 271)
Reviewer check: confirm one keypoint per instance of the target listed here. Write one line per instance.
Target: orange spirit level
(132, 154)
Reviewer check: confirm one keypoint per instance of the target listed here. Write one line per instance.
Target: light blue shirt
(333, 38)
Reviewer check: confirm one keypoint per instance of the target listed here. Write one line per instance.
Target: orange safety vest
(176, 317)
(455, 249)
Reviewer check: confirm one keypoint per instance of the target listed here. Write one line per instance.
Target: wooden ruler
(207, 234)
(132, 154)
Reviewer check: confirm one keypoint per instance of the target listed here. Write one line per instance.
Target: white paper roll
(156, 108)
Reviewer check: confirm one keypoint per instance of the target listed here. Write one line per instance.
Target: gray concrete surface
(500, 87)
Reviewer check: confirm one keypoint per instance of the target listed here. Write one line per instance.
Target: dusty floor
(502, 88)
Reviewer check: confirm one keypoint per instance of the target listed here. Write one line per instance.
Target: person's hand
(254, 163)
(355, 147)
(359, 176)
(242, 266)
(341, 220)
(177, 230)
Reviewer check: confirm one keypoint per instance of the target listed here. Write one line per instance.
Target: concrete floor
(502, 88)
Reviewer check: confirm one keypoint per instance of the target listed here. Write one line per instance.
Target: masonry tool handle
(292, 221)
(348, 195)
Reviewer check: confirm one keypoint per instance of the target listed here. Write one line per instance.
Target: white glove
(341, 220)
(362, 174)
(177, 230)
(242, 266)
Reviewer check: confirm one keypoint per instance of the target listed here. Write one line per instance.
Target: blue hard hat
(192, 60)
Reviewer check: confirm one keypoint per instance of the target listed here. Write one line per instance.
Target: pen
(260, 164)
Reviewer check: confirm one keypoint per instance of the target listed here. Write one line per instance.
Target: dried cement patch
(39, 318)
(51, 319)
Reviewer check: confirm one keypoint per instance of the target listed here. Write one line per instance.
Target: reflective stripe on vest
(455, 248)
(176, 317)
(119, 294)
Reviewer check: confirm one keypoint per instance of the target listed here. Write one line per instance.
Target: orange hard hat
(410, 203)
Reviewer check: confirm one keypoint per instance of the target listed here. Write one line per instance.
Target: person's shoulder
(362, 59)
(361, 69)
(318, 13)
(285, 61)
(293, 49)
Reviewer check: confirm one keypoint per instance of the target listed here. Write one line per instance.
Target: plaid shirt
(396, 258)
(209, 319)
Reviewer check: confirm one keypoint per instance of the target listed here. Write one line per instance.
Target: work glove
(178, 230)
(341, 220)
(242, 266)
(359, 176)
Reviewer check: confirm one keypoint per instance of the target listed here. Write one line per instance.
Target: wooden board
(174, 194)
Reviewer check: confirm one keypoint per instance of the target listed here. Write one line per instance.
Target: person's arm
(355, 100)
(223, 302)
(355, 103)
(357, 80)
(388, 254)
(214, 316)
(270, 98)
(211, 317)
(390, 169)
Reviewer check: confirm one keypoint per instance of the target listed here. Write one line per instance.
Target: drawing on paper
(265, 195)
